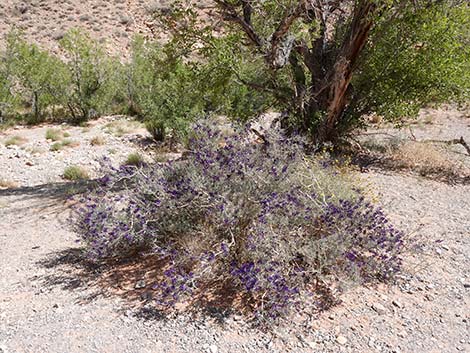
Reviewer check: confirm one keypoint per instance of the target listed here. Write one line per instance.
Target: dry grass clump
(7, 184)
(75, 173)
(57, 146)
(15, 140)
(424, 158)
(54, 134)
(122, 127)
(70, 143)
(98, 141)
(134, 159)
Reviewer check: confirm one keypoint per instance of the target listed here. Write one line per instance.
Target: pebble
(140, 284)
(397, 304)
(379, 308)
(341, 340)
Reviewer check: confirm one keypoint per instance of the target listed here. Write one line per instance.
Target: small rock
(140, 284)
(341, 340)
(55, 306)
(213, 348)
(22, 8)
(58, 35)
(124, 20)
(84, 18)
(146, 296)
(429, 297)
(311, 344)
(29, 163)
(379, 308)
(397, 304)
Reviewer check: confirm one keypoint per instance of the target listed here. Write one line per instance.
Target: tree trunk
(35, 107)
(332, 97)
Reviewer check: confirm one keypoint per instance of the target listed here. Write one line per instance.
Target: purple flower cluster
(259, 215)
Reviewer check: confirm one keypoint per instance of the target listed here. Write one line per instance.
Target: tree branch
(278, 39)
(247, 10)
(229, 12)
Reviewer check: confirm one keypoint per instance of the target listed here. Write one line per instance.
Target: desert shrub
(37, 78)
(169, 89)
(419, 59)
(75, 173)
(259, 216)
(162, 89)
(92, 76)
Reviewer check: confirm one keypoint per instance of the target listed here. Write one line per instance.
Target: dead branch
(459, 141)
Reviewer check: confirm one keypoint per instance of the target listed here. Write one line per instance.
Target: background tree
(33, 76)
(326, 62)
(93, 76)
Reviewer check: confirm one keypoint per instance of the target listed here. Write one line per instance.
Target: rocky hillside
(113, 22)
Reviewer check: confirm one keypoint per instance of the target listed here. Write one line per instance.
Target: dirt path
(49, 303)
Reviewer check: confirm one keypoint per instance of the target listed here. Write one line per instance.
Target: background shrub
(260, 217)
(36, 78)
(162, 89)
(93, 76)
(134, 159)
(8, 101)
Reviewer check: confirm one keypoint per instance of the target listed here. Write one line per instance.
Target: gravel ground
(48, 305)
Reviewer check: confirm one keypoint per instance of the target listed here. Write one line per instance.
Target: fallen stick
(459, 141)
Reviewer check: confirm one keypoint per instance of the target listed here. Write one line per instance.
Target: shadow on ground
(379, 161)
(135, 281)
(60, 190)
